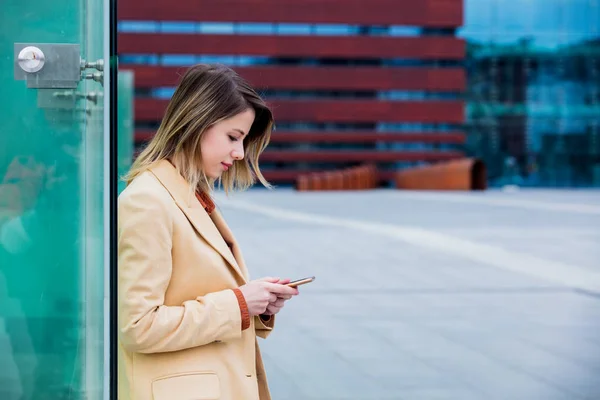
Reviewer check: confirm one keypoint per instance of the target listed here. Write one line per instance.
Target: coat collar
(211, 227)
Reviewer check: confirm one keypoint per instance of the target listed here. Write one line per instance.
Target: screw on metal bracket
(64, 95)
(96, 76)
(87, 110)
(91, 96)
(31, 59)
(99, 65)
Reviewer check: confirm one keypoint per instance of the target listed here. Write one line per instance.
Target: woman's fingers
(278, 303)
(273, 308)
(269, 279)
(280, 290)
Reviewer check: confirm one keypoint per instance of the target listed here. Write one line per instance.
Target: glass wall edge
(110, 199)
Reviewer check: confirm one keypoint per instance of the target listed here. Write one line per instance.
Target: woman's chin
(215, 176)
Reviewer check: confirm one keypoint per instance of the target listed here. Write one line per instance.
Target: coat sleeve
(146, 324)
(264, 327)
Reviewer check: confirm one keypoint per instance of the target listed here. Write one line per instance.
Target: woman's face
(223, 143)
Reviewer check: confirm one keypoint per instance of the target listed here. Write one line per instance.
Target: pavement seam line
(515, 203)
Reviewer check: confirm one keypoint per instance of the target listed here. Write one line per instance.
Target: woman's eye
(233, 138)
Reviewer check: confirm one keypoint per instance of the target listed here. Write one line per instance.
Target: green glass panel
(51, 211)
(125, 114)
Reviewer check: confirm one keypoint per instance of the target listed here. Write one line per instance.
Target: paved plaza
(429, 296)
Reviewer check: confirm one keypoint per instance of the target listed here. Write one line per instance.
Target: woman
(188, 315)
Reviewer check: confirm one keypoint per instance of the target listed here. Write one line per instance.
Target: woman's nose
(238, 154)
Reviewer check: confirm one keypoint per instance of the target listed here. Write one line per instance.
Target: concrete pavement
(429, 295)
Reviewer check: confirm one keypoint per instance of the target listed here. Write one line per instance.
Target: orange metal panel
(320, 78)
(148, 109)
(462, 174)
(418, 47)
(430, 13)
(291, 175)
(361, 177)
(286, 175)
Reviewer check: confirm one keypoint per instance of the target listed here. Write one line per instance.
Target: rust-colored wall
(345, 94)
(430, 13)
(451, 79)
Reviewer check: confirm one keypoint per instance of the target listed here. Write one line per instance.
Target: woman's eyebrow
(240, 131)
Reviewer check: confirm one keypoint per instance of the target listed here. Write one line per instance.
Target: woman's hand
(262, 293)
(275, 306)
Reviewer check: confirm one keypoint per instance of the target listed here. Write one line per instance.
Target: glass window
(216, 28)
(531, 84)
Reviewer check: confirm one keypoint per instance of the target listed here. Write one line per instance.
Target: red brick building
(350, 82)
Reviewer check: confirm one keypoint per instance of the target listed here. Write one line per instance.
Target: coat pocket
(187, 386)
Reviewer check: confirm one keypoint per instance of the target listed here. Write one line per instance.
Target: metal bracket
(48, 65)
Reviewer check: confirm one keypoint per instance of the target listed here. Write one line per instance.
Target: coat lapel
(229, 239)
(207, 226)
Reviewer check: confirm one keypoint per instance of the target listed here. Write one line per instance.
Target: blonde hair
(206, 95)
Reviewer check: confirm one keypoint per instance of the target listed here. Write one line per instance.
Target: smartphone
(301, 281)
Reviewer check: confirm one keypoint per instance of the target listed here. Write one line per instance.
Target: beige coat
(180, 335)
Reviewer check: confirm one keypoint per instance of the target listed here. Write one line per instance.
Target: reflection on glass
(534, 82)
(125, 114)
